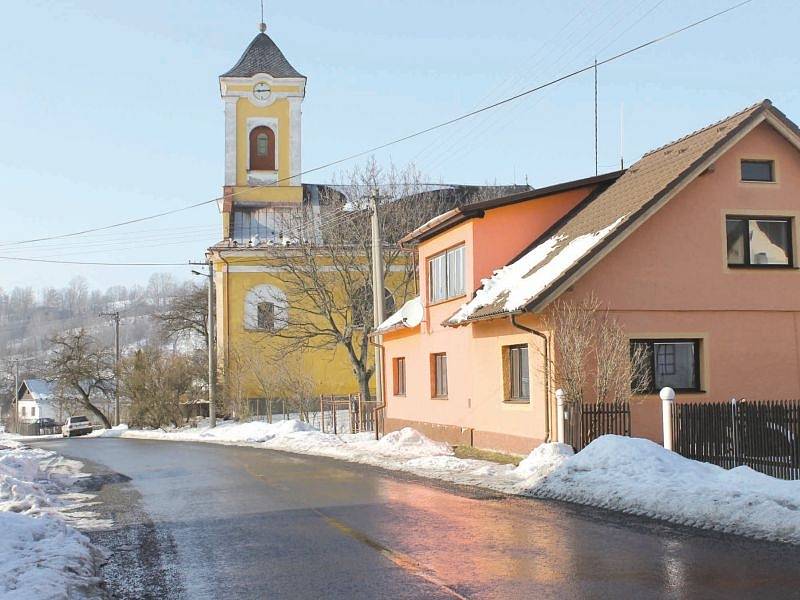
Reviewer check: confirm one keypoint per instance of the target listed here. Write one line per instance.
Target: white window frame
(447, 274)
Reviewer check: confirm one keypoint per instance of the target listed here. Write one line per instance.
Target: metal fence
(764, 435)
(584, 423)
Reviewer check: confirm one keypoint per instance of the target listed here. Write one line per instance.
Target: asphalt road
(203, 521)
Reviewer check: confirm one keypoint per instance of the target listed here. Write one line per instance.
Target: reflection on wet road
(204, 521)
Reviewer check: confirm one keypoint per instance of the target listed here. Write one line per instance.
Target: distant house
(36, 400)
(693, 249)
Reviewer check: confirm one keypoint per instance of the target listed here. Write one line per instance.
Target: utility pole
(115, 316)
(377, 290)
(212, 355)
(16, 395)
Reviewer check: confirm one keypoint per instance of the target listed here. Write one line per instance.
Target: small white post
(560, 395)
(667, 400)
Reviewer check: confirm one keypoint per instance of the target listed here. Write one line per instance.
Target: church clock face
(261, 91)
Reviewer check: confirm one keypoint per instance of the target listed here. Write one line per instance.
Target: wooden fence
(764, 435)
(584, 423)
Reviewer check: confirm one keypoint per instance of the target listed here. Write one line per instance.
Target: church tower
(262, 93)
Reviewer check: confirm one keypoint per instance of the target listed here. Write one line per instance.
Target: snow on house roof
(560, 255)
(398, 319)
(38, 388)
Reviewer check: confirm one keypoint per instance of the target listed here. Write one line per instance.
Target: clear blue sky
(111, 110)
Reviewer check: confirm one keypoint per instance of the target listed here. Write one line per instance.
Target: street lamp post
(212, 357)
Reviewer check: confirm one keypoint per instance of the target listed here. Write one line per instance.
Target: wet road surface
(203, 521)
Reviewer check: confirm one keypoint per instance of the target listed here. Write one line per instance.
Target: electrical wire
(373, 149)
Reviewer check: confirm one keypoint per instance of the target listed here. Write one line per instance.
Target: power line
(405, 138)
(98, 264)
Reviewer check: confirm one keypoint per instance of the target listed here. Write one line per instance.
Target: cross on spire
(262, 27)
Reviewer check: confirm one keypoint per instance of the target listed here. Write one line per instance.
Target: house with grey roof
(36, 399)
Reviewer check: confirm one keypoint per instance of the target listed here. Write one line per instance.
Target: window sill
(438, 397)
(762, 267)
(438, 302)
(517, 402)
(773, 182)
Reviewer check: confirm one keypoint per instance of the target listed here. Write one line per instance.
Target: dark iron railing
(584, 423)
(764, 435)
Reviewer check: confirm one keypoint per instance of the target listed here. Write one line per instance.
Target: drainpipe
(513, 319)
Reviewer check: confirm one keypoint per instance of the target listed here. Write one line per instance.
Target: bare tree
(186, 313)
(592, 353)
(81, 369)
(325, 266)
(286, 381)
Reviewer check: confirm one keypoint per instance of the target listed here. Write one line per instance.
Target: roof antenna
(595, 117)
(262, 27)
(621, 137)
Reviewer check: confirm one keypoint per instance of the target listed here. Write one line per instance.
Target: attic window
(758, 170)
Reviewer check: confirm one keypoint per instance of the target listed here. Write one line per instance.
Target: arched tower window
(262, 149)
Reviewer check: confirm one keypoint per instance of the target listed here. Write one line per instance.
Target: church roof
(262, 56)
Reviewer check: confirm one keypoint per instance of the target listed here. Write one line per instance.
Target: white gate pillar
(667, 395)
(560, 395)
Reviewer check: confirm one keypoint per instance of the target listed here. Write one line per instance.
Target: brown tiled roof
(624, 203)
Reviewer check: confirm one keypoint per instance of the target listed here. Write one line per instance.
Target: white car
(76, 426)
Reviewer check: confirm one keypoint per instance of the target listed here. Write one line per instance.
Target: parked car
(76, 426)
(46, 422)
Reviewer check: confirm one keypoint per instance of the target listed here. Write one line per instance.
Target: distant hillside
(29, 318)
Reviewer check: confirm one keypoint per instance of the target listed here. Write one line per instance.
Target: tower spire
(262, 26)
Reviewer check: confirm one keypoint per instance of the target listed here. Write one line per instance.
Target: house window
(262, 149)
(446, 275)
(399, 376)
(266, 316)
(24, 413)
(439, 379)
(519, 387)
(670, 363)
(759, 241)
(33, 411)
(758, 170)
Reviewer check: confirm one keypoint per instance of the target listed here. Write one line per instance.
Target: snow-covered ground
(631, 475)
(42, 554)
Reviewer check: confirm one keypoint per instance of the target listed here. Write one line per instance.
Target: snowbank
(640, 477)
(619, 473)
(41, 554)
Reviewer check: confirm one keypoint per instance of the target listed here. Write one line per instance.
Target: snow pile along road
(41, 554)
(637, 476)
(631, 475)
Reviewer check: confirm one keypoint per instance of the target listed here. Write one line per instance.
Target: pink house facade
(693, 249)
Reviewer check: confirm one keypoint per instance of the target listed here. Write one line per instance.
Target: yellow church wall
(329, 369)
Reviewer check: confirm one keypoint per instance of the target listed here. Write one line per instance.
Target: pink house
(693, 250)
